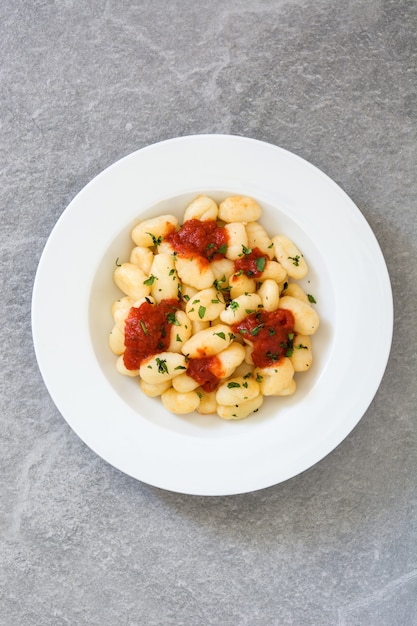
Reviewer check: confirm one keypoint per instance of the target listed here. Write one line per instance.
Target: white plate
(71, 318)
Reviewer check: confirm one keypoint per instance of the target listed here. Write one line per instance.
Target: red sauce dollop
(147, 331)
(203, 238)
(252, 264)
(270, 332)
(204, 372)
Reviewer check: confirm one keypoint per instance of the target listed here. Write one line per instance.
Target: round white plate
(195, 454)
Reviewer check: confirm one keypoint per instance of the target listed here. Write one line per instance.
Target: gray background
(85, 82)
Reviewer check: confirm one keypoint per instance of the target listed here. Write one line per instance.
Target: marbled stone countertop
(85, 82)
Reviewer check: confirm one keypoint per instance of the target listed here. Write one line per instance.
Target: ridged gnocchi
(211, 319)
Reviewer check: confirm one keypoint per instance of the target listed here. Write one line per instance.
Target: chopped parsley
(162, 366)
(217, 282)
(150, 281)
(289, 346)
(295, 260)
(155, 240)
(172, 319)
(260, 263)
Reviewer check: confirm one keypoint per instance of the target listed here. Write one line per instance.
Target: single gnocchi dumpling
(208, 342)
(306, 318)
(237, 390)
(163, 278)
(229, 359)
(239, 209)
(240, 307)
(131, 279)
(201, 208)
(290, 257)
(275, 378)
(162, 367)
(240, 411)
(151, 232)
(259, 238)
(179, 402)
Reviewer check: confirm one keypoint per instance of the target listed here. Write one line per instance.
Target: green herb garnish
(155, 240)
(172, 319)
(162, 366)
(217, 282)
(260, 263)
(150, 281)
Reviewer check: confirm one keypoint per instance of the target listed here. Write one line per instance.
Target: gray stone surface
(83, 83)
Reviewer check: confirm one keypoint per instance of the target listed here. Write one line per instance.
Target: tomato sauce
(204, 372)
(270, 332)
(251, 263)
(202, 238)
(147, 331)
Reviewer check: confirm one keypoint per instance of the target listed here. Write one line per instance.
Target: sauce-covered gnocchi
(211, 318)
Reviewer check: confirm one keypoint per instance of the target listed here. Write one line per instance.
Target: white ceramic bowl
(196, 454)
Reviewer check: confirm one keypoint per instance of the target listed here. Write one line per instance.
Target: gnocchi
(211, 319)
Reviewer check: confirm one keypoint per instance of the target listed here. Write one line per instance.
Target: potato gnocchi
(211, 318)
